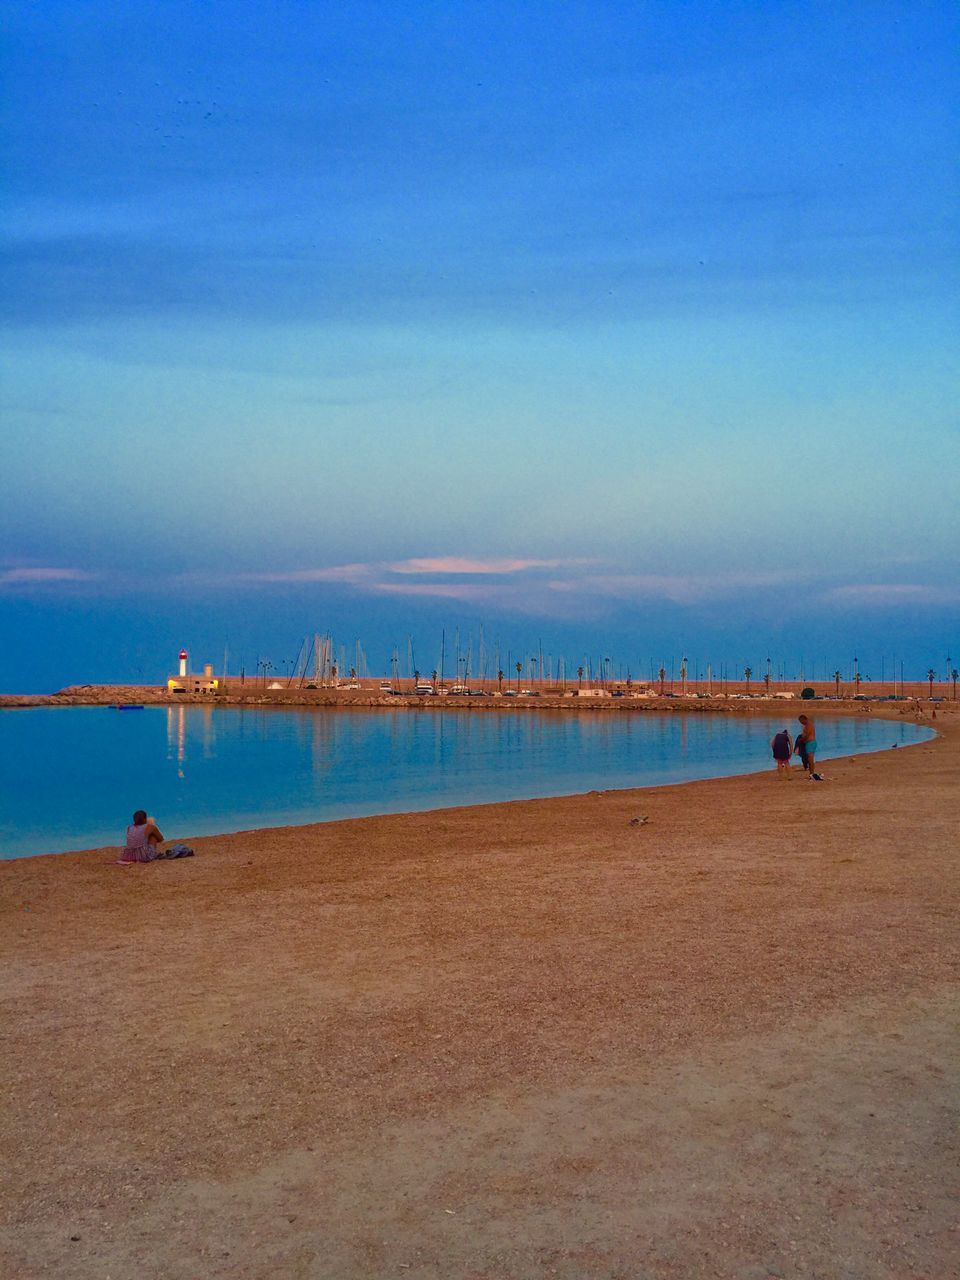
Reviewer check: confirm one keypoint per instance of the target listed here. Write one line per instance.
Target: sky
(626, 330)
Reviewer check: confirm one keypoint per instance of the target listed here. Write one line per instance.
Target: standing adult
(782, 748)
(808, 735)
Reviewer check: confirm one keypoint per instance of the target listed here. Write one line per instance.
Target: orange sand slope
(513, 1041)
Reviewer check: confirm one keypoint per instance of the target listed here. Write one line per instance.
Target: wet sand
(519, 1040)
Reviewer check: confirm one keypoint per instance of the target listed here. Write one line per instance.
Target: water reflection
(206, 769)
(177, 737)
(424, 751)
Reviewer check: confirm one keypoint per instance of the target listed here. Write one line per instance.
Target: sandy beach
(520, 1040)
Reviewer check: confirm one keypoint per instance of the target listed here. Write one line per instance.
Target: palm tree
(931, 676)
(955, 676)
(416, 678)
(579, 678)
(662, 675)
(500, 681)
(747, 673)
(836, 682)
(519, 669)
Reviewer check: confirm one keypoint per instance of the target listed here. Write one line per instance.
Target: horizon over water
(204, 771)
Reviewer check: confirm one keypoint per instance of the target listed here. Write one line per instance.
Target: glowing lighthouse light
(183, 662)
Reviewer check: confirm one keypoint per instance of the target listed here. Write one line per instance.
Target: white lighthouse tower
(183, 662)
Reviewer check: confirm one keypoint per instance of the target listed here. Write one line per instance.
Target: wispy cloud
(680, 588)
(440, 575)
(351, 574)
(525, 584)
(892, 594)
(41, 576)
(520, 585)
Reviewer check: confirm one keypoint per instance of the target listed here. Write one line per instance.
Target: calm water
(72, 776)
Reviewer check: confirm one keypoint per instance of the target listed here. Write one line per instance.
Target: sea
(71, 777)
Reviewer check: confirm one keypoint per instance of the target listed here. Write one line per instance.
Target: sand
(518, 1040)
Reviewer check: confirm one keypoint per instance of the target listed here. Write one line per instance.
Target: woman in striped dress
(143, 840)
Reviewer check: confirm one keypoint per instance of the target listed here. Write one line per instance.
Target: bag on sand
(179, 851)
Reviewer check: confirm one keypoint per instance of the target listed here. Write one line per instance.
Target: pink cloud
(448, 590)
(464, 565)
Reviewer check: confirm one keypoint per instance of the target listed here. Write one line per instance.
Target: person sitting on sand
(782, 748)
(809, 736)
(144, 838)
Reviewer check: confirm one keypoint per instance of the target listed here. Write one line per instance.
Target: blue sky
(628, 328)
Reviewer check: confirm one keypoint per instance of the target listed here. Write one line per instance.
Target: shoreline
(512, 1040)
(765, 709)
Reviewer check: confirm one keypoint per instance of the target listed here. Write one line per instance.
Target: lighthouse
(185, 683)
